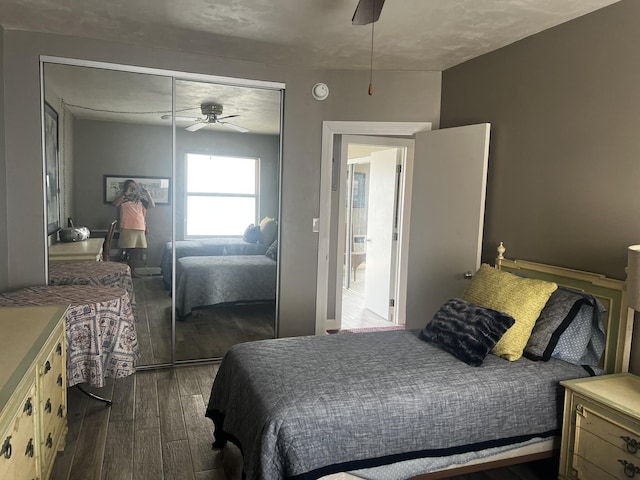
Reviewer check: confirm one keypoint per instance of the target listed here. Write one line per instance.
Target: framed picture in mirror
(158, 187)
(52, 166)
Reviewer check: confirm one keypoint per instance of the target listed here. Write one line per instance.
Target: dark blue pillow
(466, 330)
(252, 234)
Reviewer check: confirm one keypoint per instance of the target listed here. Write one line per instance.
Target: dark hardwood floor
(155, 429)
(207, 333)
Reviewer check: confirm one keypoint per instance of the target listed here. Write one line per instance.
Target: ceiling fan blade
(234, 126)
(180, 118)
(228, 116)
(367, 11)
(196, 126)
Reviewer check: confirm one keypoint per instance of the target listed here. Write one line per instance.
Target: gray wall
(564, 157)
(399, 96)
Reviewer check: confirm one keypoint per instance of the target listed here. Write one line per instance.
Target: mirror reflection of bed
(119, 124)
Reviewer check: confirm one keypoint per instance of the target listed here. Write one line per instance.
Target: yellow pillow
(268, 230)
(522, 298)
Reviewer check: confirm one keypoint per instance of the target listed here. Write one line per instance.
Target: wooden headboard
(618, 322)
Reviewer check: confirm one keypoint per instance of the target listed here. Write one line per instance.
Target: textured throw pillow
(466, 331)
(557, 314)
(272, 251)
(268, 230)
(252, 234)
(522, 298)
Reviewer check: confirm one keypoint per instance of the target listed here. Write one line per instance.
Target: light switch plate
(316, 225)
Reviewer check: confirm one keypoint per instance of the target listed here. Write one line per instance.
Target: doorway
(445, 208)
(370, 230)
(332, 201)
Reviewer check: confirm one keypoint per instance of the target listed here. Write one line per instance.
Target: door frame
(329, 130)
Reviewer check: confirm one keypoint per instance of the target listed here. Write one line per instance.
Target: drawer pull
(59, 381)
(630, 469)
(28, 407)
(59, 349)
(632, 444)
(47, 367)
(47, 406)
(29, 451)
(49, 441)
(60, 411)
(6, 448)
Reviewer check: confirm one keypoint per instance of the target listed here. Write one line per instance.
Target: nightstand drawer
(591, 451)
(628, 441)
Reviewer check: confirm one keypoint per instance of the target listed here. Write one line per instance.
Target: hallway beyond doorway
(354, 315)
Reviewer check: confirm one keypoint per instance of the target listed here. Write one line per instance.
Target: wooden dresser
(89, 249)
(33, 394)
(601, 428)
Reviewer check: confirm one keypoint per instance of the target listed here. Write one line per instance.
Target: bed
(381, 405)
(214, 280)
(206, 247)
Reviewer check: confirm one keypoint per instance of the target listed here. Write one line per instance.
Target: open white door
(450, 176)
(382, 184)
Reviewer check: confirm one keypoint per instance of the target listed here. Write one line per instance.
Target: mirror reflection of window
(221, 194)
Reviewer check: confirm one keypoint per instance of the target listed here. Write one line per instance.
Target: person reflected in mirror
(133, 203)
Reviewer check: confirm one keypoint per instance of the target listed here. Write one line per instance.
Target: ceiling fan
(211, 112)
(367, 11)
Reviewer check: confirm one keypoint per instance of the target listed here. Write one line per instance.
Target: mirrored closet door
(227, 195)
(208, 153)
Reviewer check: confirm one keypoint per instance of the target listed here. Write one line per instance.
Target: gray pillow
(466, 330)
(569, 328)
(555, 317)
(583, 342)
(272, 251)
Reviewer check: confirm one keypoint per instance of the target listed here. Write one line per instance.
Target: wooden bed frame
(618, 327)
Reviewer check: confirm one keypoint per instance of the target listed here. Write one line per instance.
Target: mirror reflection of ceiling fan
(211, 112)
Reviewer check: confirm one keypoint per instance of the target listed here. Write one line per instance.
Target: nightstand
(601, 428)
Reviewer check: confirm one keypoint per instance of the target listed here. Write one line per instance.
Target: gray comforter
(206, 281)
(309, 406)
(205, 247)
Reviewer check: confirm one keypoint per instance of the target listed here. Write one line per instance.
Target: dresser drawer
(18, 441)
(52, 389)
(53, 408)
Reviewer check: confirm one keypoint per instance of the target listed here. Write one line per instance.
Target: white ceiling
(410, 35)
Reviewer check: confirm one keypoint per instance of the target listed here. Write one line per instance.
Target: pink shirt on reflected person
(132, 215)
